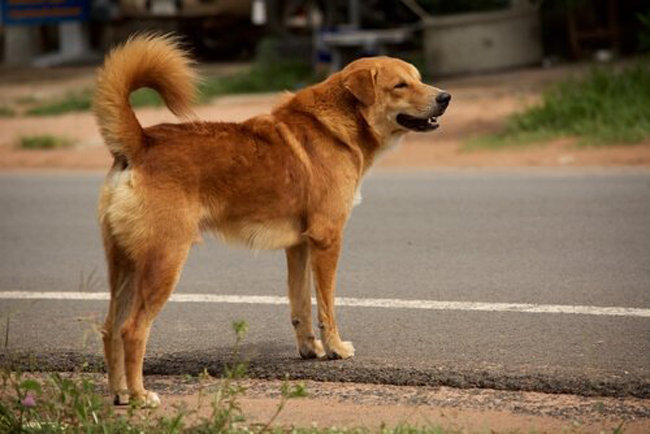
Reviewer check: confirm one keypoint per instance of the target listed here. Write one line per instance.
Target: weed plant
(70, 403)
(44, 142)
(7, 112)
(608, 107)
(72, 102)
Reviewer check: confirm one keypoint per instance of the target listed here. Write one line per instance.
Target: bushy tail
(154, 61)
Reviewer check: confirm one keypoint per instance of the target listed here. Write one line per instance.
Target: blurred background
(569, 73)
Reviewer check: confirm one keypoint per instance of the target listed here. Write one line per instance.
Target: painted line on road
(388, 303)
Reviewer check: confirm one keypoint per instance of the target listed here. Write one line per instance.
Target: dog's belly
(267, 235)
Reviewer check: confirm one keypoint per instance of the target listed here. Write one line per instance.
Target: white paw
(320, 351)
(342, 350)
(152, 400)
(148, 400)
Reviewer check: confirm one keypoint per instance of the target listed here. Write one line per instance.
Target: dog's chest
(357, 197)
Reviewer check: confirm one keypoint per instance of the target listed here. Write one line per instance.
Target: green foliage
(225, 407)
(82, 101)
(72, 102)
(607, 107)
(27, 99)
(262, 77)
(146, 97)
(644, 33)
(69, 403)
(44, 142)
(7, 112)
(59, 403)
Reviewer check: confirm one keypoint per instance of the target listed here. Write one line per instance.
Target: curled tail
(152, 61)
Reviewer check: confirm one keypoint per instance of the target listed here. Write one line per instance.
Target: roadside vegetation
(77, 402)
(607, 107)
(7, 112)
(262, 77)
(74, 403)
(44, 142)
(72, 102)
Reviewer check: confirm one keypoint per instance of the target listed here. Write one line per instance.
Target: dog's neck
(342, 118)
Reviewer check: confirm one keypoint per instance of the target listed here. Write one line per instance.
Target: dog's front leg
(299, 272)
(325, 248)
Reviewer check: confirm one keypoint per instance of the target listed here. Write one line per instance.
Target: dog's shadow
(267, 357)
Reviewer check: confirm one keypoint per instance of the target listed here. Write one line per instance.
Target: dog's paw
(320, 351)
(146, 400)
(342, 350)
(315, 351)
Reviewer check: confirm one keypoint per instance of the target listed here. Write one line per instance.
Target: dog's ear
(361, 84)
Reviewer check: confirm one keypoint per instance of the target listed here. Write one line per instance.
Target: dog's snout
(443, 98)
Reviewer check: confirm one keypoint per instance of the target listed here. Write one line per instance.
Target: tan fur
(150, 61)
(281, 181)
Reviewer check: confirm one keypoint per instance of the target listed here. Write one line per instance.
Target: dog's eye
(401, 85)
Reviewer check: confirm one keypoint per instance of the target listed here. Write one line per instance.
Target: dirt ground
(480, 105)
(354, 405)
(371, 406)
(472, 410)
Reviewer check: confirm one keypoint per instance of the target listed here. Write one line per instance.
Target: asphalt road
(538, 237)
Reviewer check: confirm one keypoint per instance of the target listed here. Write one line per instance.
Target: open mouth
(418, 124)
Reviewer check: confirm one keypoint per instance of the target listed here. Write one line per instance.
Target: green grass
(72, 403)
(27, 99)
(7, 112)
(260, 78)
(44, 142)
(145, 97)
(72, 102)
(607, 107)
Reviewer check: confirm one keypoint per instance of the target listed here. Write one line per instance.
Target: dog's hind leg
(300, 297)
(120, 270)
(156, 274)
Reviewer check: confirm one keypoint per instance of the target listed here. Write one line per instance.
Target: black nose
(443, 98)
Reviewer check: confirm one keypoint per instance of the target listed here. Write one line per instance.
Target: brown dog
(281, 181)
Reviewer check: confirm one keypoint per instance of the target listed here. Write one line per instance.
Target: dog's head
(392, 96)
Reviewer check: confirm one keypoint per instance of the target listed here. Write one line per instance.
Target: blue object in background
(43, 11)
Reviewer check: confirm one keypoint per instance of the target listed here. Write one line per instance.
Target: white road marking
(388, 303)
